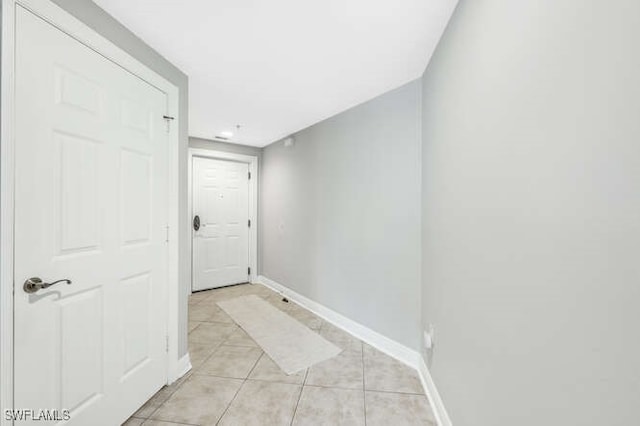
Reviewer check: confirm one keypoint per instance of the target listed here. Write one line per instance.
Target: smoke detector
(288, 142)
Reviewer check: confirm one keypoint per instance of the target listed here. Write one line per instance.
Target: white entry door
(91, 207)
(221, 223)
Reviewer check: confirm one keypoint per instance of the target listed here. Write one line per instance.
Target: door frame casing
(252, 161)
(64, 21)
(6, 208)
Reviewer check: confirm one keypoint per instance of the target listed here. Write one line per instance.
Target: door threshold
(217, 288)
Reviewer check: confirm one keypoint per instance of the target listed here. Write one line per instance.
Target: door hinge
(167, 233)
(248, 271)
(249, 223)
(166, 348)
(249, 175)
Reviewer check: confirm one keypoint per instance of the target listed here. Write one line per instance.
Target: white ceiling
(276, 67)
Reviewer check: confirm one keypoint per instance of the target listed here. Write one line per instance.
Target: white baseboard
(390, 347)
(181, 368)
(440, 413)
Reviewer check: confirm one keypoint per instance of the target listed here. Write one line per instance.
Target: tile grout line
(170, 423)
(217, 346)
(193, 371)
(295, 410)
(288, 308)
(204, 361)
(212, 322)
(163, 402)
(282, 382)
(239, 389)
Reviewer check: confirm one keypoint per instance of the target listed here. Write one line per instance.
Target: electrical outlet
(429, 337)
(426, 341)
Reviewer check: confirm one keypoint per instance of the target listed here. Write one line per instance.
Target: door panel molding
(67, 23)
(252, 161)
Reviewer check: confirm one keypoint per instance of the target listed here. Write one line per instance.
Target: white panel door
(221, 203)
(91, 207)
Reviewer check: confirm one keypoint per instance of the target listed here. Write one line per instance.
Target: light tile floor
(233, 382)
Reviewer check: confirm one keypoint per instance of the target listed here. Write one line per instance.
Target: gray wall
(89, 13)
(531, 213)
(340, 214)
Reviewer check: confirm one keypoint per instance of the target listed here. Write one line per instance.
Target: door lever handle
(34, 284)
